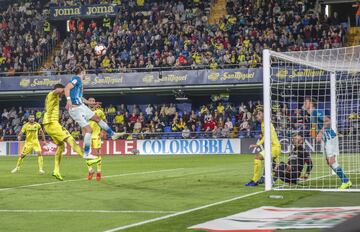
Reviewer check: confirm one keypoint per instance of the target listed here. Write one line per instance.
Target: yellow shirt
(105, 63)
(111, 110)
(220, 109)
(119, 119)
(52, 103)
(246, 43)
(213, 65)
(75, 134)
(93, 43)
(96, 129)
(31, 131)
(140, 2)
(274, 138)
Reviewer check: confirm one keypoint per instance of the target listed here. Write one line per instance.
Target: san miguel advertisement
(91, 11)
(125, 80)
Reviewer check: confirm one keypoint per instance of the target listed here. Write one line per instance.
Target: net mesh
(296, 75)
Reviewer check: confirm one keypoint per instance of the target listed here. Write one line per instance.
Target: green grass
(146, 183)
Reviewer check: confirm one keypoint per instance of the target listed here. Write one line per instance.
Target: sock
(90, 169)
(41, 162)
(19, 161)
(58, 155)
(98, 167)
(75, 146)
(340, 173)
(87, 143)
(106, 128)
(257, 170)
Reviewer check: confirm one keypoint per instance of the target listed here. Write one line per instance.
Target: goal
(331, 79)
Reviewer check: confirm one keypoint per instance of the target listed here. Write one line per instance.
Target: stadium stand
(24, 43)
(210, 120)
(170, 35)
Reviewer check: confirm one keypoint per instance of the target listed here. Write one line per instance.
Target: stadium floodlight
(329, 81)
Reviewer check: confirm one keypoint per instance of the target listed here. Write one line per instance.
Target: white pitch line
(81, 179)
(281, 187)
(81, 211)
(182, 212)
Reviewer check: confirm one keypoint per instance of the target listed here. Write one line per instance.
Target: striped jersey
(76, 93)
(317, 117)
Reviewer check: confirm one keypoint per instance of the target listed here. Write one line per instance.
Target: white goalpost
(330, 78)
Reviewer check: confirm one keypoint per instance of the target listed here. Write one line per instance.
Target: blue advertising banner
(64, 13)
(122, 80)
(188, 146)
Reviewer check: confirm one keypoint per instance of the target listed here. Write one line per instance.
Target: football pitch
(140, 193)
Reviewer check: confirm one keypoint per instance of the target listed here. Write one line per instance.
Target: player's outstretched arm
(67, 89)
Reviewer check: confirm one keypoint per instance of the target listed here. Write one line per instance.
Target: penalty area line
(182, 212)
(81, 179)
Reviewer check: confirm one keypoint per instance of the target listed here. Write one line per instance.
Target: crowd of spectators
(173, 34)
(23, 40)
(213, 120)
(216, 120)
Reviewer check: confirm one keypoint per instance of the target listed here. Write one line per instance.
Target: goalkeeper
(290, 172)
(275, 149)
(326, 135)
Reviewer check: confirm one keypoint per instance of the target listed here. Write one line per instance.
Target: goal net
(328, 81)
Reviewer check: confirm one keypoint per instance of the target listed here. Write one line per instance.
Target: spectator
(357, 14)
(38, 115)
(229, 124)
(133, 118)
(186, 133)
(111, 109)
(225, 132)
(119, 118)
(137, 126)
(149, 111)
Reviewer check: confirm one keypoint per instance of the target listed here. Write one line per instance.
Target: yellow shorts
(30, 147)
(96, 143)
(275, 153)
(56, 132)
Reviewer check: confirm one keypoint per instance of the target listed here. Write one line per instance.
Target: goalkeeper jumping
(328, 136)
(275, 149)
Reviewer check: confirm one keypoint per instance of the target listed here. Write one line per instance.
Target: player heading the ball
(58, 133)
(81, 113)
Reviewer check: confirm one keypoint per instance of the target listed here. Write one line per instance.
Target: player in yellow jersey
(58, 133)
(31, 129)
(275, 149)
(95, 137)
